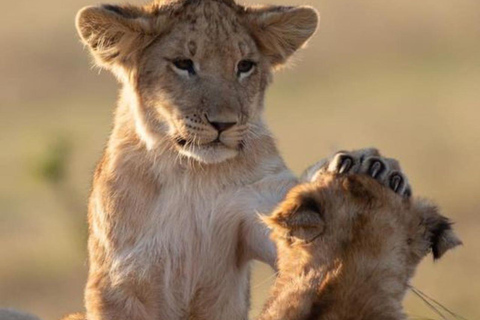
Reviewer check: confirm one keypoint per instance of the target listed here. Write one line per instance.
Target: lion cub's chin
(209, 154)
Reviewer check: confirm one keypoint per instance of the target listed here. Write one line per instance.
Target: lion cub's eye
(244, 67)
(185, 65)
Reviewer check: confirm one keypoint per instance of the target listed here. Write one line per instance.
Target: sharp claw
(395, 182)
(375, 169)
(345, 165)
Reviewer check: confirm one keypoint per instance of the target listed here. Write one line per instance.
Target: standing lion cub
(173, 210)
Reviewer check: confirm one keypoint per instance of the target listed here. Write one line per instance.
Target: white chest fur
(194, 236)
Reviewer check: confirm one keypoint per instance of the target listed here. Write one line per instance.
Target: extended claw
(376, 167)
(396, 181)
(346, 163)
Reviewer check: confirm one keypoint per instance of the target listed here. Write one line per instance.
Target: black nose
(222, 126)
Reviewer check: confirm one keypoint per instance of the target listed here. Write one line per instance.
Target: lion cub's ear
(115, 34)
(439, 231)
(300, 216)
(280, 31)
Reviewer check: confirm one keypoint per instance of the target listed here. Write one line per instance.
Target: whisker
(274, 275)
(428, 303)
(424, 295)
(416, 317)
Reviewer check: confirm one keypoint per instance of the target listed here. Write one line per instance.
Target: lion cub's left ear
(280, 31)
(299, 216)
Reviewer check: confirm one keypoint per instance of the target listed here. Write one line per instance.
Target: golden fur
(173, 209)
(347, 248)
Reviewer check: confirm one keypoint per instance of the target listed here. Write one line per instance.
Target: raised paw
(387, 171)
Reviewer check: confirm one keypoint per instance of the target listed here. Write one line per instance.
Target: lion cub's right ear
(116, 34)
(280, 31)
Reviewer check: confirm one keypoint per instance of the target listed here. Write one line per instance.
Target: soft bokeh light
(403, 76)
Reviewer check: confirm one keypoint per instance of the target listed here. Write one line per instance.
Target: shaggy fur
(347, 248)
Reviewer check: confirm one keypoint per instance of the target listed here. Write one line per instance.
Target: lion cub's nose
(222, 126)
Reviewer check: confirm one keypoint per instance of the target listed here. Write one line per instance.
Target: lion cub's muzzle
(210, 131)
(222, 124)
(209, 140)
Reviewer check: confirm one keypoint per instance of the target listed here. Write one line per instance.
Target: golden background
(403, 76)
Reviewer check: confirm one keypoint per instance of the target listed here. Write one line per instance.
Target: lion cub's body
(177, 236)
(348, 247)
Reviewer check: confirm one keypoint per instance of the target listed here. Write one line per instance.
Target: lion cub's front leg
(133, 299)
(387, 171)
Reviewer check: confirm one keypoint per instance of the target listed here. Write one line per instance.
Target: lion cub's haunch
(348, 247)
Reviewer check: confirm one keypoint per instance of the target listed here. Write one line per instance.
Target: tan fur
(173, 210)
(347, 248)
(75, 316)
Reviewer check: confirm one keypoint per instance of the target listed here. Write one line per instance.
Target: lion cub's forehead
(212, 28)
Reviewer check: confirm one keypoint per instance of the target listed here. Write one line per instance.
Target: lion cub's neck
(331, 294)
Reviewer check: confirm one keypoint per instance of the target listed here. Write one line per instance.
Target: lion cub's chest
(196, 226)
(194, 237)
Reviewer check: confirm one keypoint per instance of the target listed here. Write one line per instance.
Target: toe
(346, 163)
(408, 192)
(375, 167)
(396, 182)
(341, 163)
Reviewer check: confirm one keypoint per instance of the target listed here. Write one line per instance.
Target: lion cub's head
(197, 69)
(364, 234)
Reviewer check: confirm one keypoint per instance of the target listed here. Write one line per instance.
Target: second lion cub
(347, 248)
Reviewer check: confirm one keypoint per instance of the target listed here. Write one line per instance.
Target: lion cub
(348, 247)
(172, 212)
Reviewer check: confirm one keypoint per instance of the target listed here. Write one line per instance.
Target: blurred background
(403, 76)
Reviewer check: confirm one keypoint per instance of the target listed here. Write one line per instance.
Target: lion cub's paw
(387, 171)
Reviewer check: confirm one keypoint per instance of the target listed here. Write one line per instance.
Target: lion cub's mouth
(215, 151)
(181, 142)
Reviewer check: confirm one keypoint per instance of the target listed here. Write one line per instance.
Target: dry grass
(400, 76)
